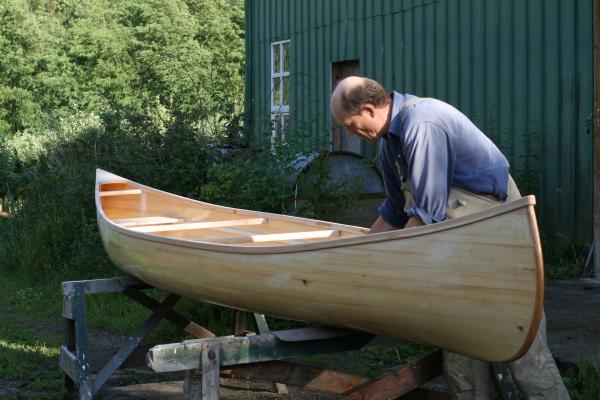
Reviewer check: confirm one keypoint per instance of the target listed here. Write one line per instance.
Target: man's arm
(381, 225)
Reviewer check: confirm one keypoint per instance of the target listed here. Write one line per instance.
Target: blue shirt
(434, 146)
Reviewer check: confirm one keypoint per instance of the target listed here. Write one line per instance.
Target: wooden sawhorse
(259, 356)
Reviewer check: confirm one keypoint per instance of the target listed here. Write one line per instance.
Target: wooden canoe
(473, 285)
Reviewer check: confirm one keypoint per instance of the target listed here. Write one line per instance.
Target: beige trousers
(536, 373)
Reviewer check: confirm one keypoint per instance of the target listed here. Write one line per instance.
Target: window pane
(286, 57)
(286, 90)
(277, 58)
(285, 123)
(276, 92)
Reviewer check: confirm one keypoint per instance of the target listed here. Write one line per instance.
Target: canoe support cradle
(255, 356)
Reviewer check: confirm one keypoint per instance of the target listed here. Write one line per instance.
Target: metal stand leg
(261, 323)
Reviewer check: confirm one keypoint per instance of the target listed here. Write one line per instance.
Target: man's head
(362, 106)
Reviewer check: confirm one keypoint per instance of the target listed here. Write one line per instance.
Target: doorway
(340, 139)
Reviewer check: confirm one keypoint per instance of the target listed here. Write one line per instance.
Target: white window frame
(278, 109)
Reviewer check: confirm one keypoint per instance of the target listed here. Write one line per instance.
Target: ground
(572, 310)
(573, 334)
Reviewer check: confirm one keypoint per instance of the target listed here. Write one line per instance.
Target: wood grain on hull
(473, 286)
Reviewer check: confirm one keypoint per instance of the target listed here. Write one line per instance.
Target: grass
(29, 355)
(582, 380)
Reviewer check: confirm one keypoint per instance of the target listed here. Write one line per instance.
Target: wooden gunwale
(527, 201)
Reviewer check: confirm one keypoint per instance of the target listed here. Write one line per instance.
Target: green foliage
(145, 89)
(582, 381)
(272, 173)
(321, 197)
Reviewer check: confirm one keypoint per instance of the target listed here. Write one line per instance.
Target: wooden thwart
(131, 222)
(277, 237)
(200, 225)
(120, 193)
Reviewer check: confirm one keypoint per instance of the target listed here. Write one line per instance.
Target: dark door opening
(340, 139)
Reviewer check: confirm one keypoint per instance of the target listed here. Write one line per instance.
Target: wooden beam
(307, 378)
(596, 127)
(249, 349)
(402, 381)
(130, 222)
(200, 225)
(277, 237)
(173, 316)
(108, 285)
(120, 193)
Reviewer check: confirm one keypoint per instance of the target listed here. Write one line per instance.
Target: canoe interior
(142, 209)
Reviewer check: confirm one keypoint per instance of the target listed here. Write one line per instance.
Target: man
(438, 165)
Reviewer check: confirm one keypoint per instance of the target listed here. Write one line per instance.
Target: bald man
(438, 165)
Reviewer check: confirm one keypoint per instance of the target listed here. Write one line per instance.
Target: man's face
(365, 124)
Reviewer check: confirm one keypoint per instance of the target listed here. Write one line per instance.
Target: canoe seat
(120, 192)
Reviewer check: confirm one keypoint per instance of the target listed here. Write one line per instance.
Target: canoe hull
(475, 289)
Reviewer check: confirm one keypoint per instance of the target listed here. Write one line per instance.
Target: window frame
(278, 108)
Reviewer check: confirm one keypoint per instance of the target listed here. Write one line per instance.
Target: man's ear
(369, 108)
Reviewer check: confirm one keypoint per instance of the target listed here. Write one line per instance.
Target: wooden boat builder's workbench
(255, 356)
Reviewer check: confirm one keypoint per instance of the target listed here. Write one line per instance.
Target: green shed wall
(522, 70)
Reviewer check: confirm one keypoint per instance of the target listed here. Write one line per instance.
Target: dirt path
(572, 312)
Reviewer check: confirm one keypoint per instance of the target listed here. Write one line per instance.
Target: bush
(53, 229)
(147, 90)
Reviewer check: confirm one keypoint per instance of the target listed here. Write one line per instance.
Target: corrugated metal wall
(521, 69)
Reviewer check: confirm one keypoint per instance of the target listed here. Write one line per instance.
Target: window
(280, 88)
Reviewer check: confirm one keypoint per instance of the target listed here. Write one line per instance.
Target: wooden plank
(240, 322)
(68, 363)
(277, 237)
(307, 378)
(130, 222)
(120, 193)
(70, 346)
(83, 366)
(192, 385)
(596, 127)
(402, 381)
(108, 285)
(200, 225)
(247, 349)
(209, 359)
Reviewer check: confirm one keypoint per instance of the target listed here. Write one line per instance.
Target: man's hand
(381, 225)
(413, 222)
